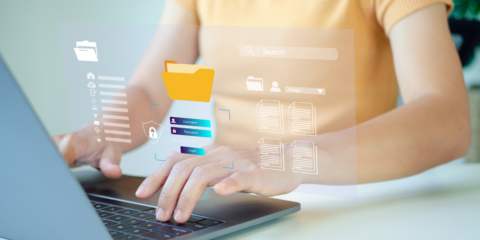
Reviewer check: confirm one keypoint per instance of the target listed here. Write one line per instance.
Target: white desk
(443, 203)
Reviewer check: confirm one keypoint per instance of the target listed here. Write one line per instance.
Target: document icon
(270, 116)
(302, 117)
(86, 51)
(188, 82)
(271, 154)
(304, 156)
(254, 84)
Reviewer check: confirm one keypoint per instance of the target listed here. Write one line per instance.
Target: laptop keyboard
(127, 221)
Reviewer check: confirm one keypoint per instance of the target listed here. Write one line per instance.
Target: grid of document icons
(113, 118)
(270, 119)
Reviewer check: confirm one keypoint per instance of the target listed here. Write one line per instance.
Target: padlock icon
(174, 130)
(152, 132)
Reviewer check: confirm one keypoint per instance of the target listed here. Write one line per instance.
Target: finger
(65, 146)
(201, 177)
(155, 181)
(175, 182)
(239, 181)
(172, 153)
(110, 161)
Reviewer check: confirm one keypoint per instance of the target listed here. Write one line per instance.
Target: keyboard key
(195, 219)
(118, 218)
(126, 212)
(136, 231)
(152, 218)
(114, 233)
(209, 222)
(111, 209)
(120, 227)
(150, 211)
(108, 223)
(157, 235)
(149, 225)
(133, 221)
(99, 205)
(188, 225)
(172, 230)
(141, 215)
(127, 237)
(191, 226)
(105, 214)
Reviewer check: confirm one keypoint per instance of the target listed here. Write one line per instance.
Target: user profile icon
(275, 87)
(173, 120)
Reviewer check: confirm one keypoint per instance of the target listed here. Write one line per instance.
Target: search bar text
(288, 52)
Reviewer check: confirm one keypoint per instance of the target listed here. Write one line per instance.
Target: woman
(399, 44)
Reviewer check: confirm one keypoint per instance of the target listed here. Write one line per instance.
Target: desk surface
(442, 203)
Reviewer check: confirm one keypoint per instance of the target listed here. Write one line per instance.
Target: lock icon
(174, 130)
(152, 132)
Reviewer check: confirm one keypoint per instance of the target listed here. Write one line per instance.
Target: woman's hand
(82, 148)
(185, 177)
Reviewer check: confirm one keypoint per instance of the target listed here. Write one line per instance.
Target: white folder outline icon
(86, 53)
(254, 84)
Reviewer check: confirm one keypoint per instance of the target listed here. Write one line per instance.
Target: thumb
(110, 161)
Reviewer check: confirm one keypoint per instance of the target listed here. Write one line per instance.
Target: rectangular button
(191, 132)
(109, 223)
(136, 231)
(141, 215)
(194, 219)
(111, 209)
(304, 90)
(118, 218)
(187, 225)
(105, 214)
(120, 227)
(126, 212)
(132, 221)
(191, 150)
(190, 122)
(149, 225)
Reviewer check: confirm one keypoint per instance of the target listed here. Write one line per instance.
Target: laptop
(40, 198)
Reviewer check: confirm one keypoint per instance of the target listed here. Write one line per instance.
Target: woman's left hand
(185, 177)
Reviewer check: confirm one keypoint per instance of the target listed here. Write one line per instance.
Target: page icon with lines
(302, 117)
(270, 116)
(271, 154)
(304, 156)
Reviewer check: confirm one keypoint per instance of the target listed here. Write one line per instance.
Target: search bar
(288, 52)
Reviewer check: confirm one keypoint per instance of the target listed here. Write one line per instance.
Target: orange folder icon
(188, 82)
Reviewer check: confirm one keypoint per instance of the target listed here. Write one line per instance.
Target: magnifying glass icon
(248, 49)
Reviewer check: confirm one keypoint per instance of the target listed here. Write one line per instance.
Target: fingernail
(160, 213)
(222, 185)
(178, 215)
(141, 189)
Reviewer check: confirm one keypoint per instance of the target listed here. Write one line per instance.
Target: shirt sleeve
(389, 12)
(190, 4)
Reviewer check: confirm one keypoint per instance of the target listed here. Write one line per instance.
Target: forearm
(422, 134)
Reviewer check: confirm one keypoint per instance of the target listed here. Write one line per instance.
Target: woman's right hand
(81, 148)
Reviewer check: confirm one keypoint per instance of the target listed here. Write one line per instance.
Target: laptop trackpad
(125, 189)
